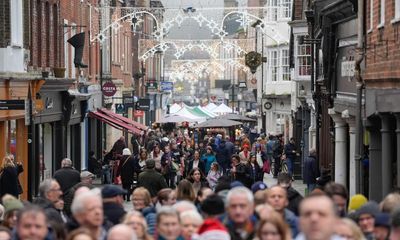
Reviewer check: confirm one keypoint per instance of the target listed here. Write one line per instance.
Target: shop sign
(138, 113)
(128, 101)
(152, 86)
(143, 104)
(119, 108)
(12, 104)
(109, 89)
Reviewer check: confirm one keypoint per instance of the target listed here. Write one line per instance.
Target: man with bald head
(121, 232)
(277, 198)
(317, 218)
(67, 176)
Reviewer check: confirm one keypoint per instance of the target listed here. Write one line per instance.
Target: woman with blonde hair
(141, 200)
(138, 223)
(9, 176)
(348, 229)
(273, 228)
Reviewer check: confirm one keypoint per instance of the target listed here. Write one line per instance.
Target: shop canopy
(118, 121)
(175, 119)
(210, 106)
(174, 108)
(222, 109)
(215, 122)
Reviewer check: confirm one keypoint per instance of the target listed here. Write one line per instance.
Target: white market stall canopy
(222, 109)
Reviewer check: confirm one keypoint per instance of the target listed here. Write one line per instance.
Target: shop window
(304, 60)
(273, 64)
(285, 65)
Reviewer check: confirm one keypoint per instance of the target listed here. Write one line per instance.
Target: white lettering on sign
(348, 68)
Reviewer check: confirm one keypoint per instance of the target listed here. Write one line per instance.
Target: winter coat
(152, 180)
(292, 222)
(289, 148)
(149, 213)
(250, 228)
(294, 200)
(212, 178)
(201, 166)
(208, 160)
(67, 177)
(9, 180)
(223, 155)
(311, 170)
(114, 212)
(242, 174)
(51, 212)
(126, 170)
(255, 174)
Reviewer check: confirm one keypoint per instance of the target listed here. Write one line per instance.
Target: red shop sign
(109, 89)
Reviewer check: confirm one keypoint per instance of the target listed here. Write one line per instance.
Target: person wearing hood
(126, 170)
(294, 197)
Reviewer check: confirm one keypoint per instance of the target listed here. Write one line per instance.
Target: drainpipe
(359, 85)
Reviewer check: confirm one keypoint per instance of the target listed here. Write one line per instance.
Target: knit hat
(212, 229)
(10, 203)
(213, 205)
(236, 184)
(382, 220)
(126, 152)
(370, 207)
(257, 186)
(356, 202)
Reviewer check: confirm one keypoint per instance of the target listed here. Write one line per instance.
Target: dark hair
(33, 209)
(185, 191)
(91, 153)
(284, 177)
(191, 173)
(235, 156)
(163, 195)
(333, 188)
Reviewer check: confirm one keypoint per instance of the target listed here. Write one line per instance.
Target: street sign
(12, 104)
(167, 86)
(119, 108)
(152, 87)
(109, 89)
(143, 104)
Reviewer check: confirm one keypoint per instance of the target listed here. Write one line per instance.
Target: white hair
(66, 162)
(78, 204)
(192, 215)
(240, 191)
(121, 231)
(183, 206)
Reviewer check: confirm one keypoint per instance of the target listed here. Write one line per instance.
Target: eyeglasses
(55, 190)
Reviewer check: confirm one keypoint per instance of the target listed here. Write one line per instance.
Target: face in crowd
(240, 208)
(169, 227)
(92, 213)
(32, 225)
(277, 198)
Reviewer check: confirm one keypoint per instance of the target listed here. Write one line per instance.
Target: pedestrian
(277, 198)
(209, 158)
(156, 155)
(166, 197)
(339, 195)
(126, 170)
(141, 200)
(59, 206)
(106, 167)
(240, 220)
(86, 181)
(118, 147)
(348, 229)
(11, 207)
(273, 228)
(94, 165)
(294, 197)
(185, 191)
(291, 153)
(366, 218)
(66, 176)
(255, 171)
(50, 193)
(140, 161)
(121, 232)
(113, 199)
(213, 175)
(198, 180)
(382, 226)
(190, 223)
(32, 224)
(196, 162)
(239, 171)
(390, 203)
(223, 155)
(317, 218)
(87, 210)
(151, 179)
(168, 224)
(9, 172)
(311, 170)
(244, 155)
(277, 156)
(81, 234)
(169, 167)
(87, 178)
(202, 194)
(137, 222)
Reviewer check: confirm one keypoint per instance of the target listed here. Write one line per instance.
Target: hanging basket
(59, 72)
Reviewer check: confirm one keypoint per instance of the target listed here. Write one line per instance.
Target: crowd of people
(180, 190)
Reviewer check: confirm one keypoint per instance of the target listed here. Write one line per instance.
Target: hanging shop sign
(128, 101)
(109, 89)
(12, 104)
(119, 108)
(152, 87)
(167, 86)
(138, 113)
(143, 104)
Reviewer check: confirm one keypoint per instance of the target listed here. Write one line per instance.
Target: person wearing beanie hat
(382, 226)
(257, 186)
(366, 218)
(11, 207)
(212, 206)
(212, 229)
(356, 202)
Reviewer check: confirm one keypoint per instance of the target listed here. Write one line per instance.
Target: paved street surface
(297, 184)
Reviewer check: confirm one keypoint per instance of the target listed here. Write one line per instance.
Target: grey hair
(240, 191)
(121, 228)
(45, 187)
(66, 162)
(186, 205)
(192, 215)
(167, 211)
(78, 204)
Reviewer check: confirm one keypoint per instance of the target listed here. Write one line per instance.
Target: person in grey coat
(311, 170)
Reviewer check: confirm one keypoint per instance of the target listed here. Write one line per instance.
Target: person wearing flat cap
(152, 180)
(113, 203)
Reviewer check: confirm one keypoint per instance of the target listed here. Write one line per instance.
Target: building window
(274, 64)
(285, 65)
(273, 10)
(381, 13)
(286, 8)
(371, 14)
(397, 9)
(16, 22)
(304, 59)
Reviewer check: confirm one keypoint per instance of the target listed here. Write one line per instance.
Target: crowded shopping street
(199, 120)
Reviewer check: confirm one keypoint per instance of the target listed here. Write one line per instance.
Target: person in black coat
(255, 171)
(196, 162)
(9, 177)
(113, 198)
(311, 170)
(223, 155)
(126, 170)
(239, 171)
(294, 197)
(67, 176)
